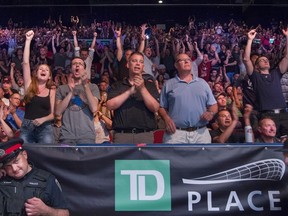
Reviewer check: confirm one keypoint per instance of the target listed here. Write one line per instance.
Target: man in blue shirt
(15, 114)
(187, 105)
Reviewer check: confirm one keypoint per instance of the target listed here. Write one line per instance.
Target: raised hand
(29, 35)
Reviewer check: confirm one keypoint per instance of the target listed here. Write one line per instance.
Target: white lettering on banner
(138, 184)
(273, 200)
(233, 200)
(192, 201)
(250, 200)
(237, 203)
(209, 202)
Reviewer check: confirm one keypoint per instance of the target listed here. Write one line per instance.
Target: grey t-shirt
(77, 119)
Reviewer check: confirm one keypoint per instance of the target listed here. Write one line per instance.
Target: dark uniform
(36, 183)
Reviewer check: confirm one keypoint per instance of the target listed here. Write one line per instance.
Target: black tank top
(38, 107)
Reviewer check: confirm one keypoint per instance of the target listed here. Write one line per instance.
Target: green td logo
(142, 185)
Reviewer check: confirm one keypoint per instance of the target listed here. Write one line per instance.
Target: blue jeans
(42, 134)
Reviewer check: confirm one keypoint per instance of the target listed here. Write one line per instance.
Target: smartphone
(257, 41)
(271, 40)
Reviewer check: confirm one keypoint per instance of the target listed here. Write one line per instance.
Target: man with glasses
(76, 102)
(134, 102)
(187, 105)
(15, 115)
(266, 83)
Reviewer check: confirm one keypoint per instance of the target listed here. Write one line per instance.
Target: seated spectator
(227, 122)
(7, 87)
(3, 100)
(102, 120)
(15, 115)
(6, 132)
(267, 131)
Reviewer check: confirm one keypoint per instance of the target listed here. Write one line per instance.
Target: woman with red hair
(39, 100)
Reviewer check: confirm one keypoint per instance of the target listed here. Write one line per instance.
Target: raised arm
(93, 41)
(199, 58)
(283, 65)
(13, 82)
(222, 138)
(53, 44)
(157, 47)
(141, 47)
(26, 60)
(75, 40)
(119, 45)
(246, 59)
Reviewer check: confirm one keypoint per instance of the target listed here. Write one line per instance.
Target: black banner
(161, 180)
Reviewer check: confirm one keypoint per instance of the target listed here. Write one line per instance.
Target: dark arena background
(27, 13)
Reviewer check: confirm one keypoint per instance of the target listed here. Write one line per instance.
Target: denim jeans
(31, 133)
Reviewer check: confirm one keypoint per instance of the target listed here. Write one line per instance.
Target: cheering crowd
(112, 82)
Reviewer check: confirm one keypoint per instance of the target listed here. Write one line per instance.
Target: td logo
(142, 185)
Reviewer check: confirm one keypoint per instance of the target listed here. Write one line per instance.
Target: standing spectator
(43, 57)
(167, 58)
(60, 54)
(86, 54)
(267, 86)
(150, 62)
(18, 58)
(123, 71)
(76, 102)
(230, 64)
(19, 84)
(39, 100)
(134, 102)
(187, 105)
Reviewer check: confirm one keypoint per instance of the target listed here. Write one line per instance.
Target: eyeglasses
(78, 63)
(184, 60)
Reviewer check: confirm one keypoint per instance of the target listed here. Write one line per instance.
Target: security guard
(24, 189)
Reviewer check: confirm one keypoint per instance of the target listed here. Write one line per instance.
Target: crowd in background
(216, 50)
